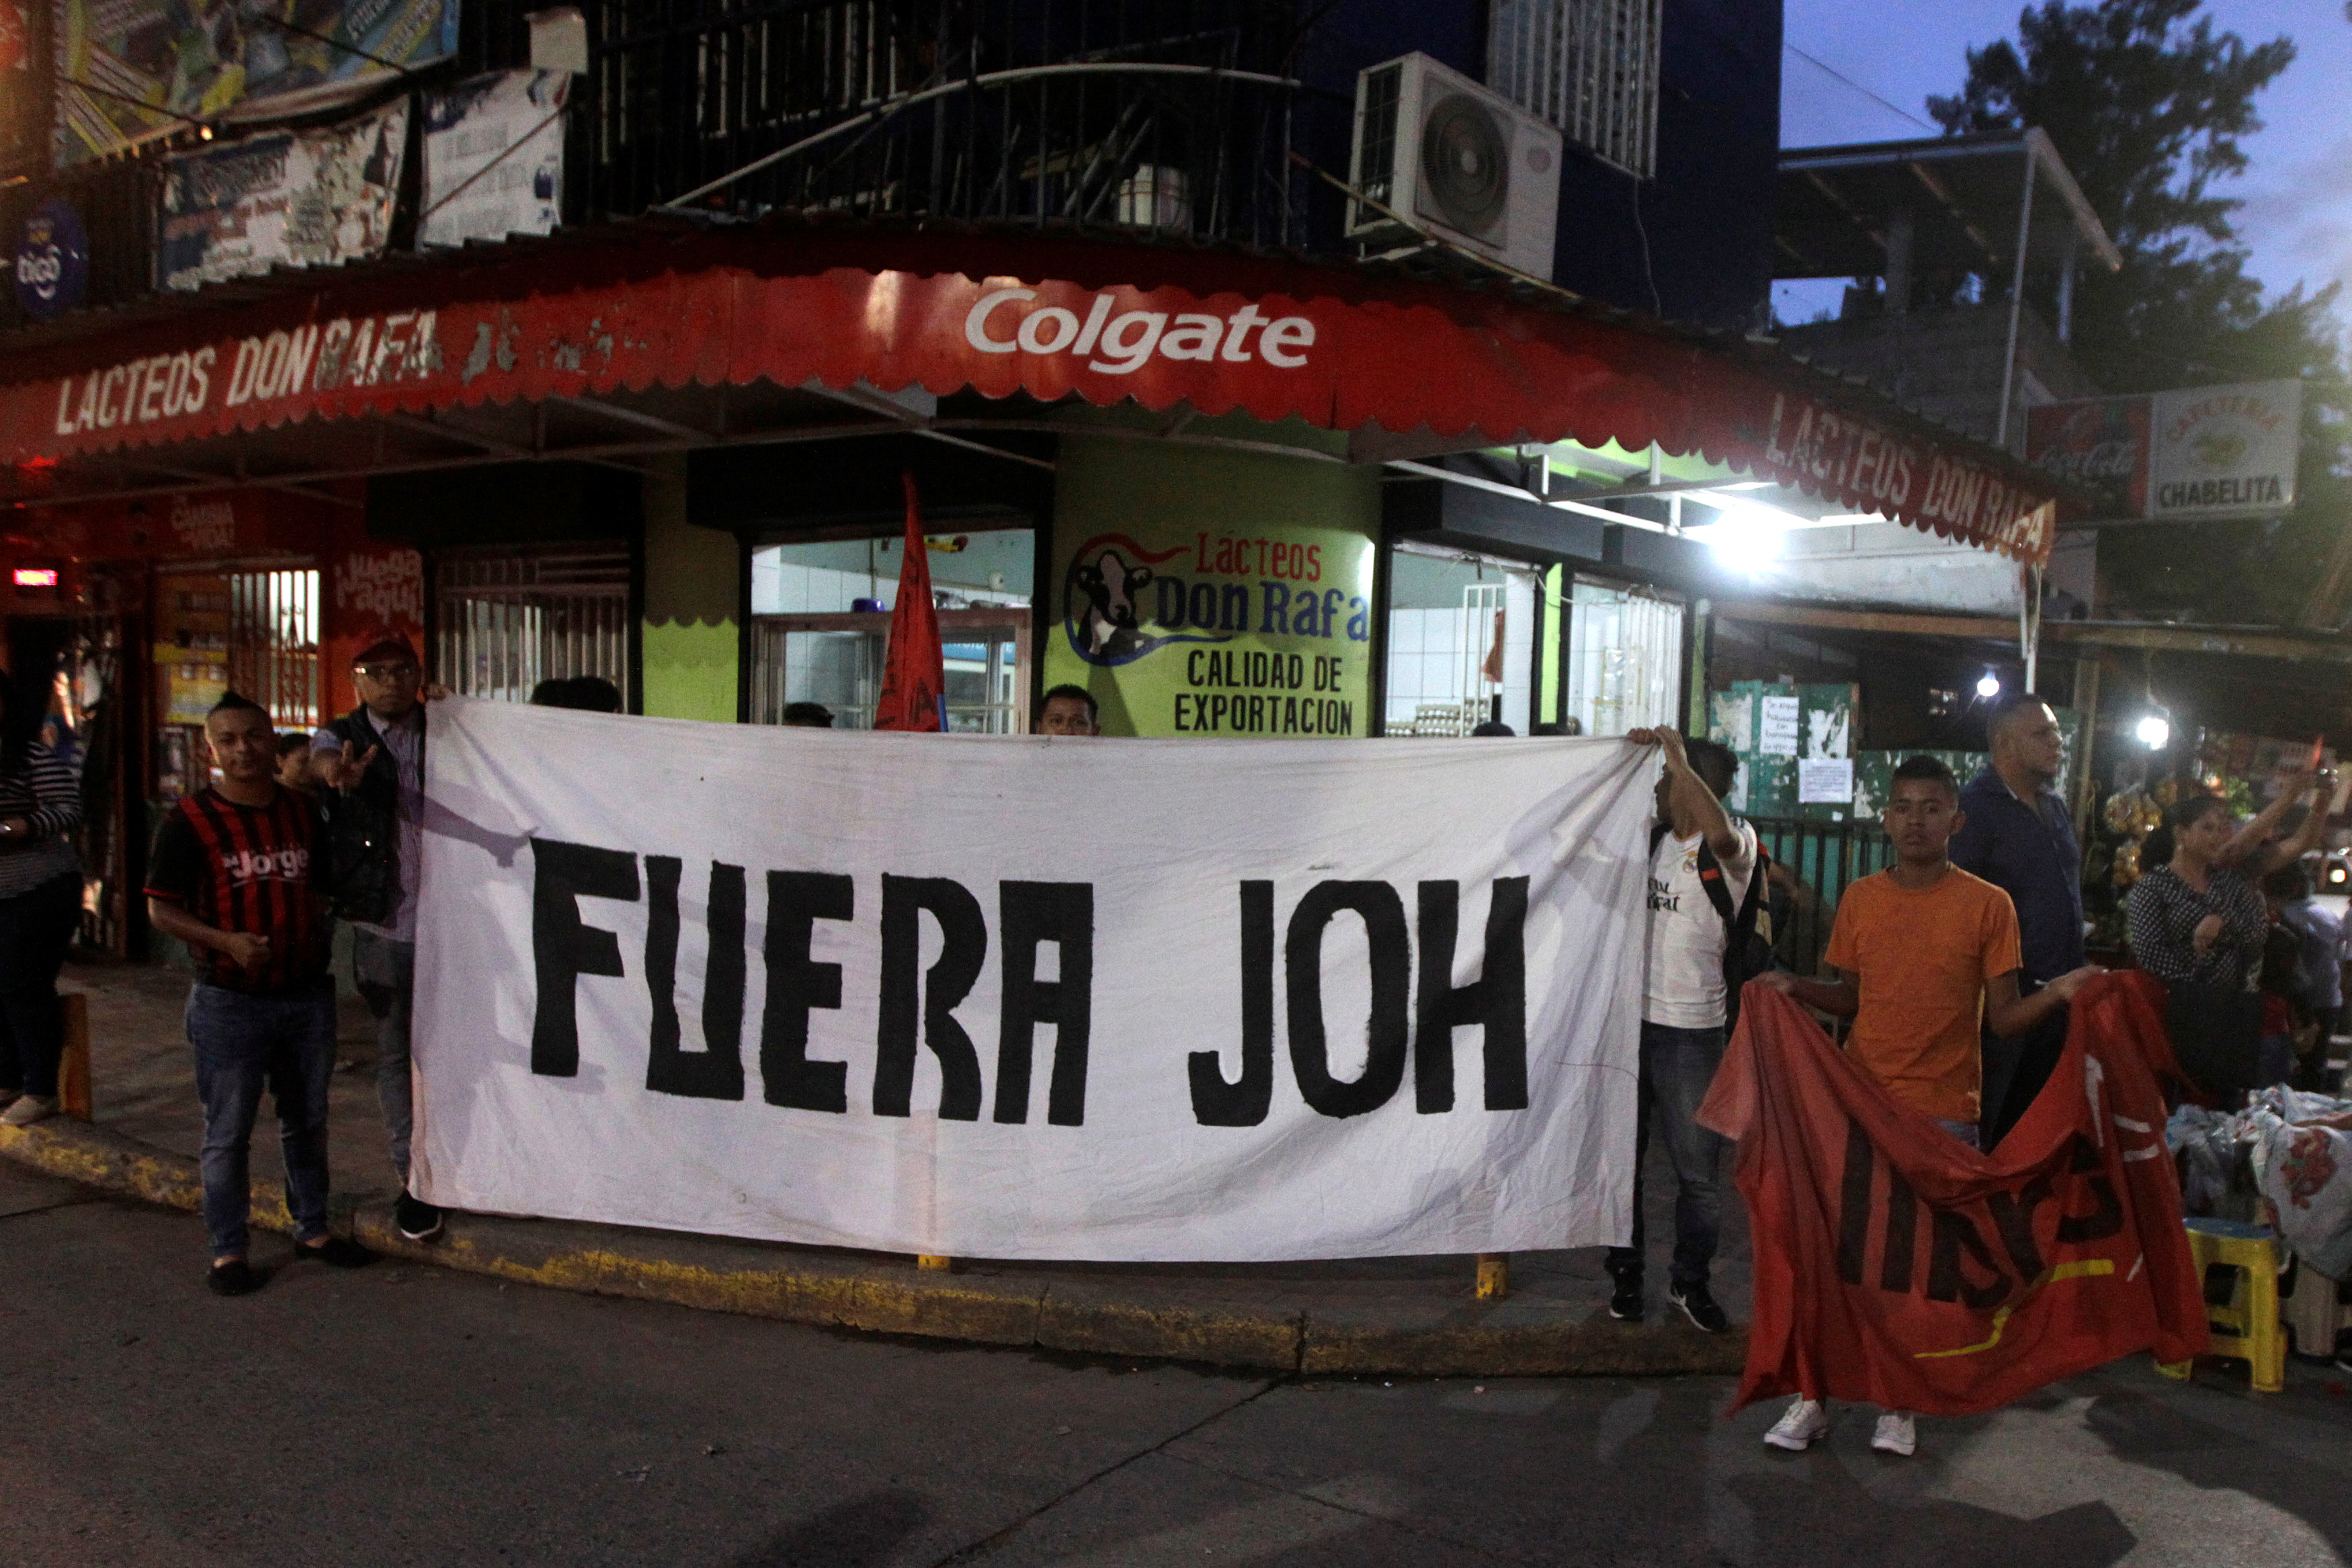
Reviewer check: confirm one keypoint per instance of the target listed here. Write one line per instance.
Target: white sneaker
(1796, 1430)
(1895, 1435)
(29, 1109)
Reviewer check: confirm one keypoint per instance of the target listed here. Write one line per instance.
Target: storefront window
(1462, 633)
(820, 626)
(1625, 659)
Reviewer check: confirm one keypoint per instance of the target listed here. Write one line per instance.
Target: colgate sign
(1009, 321)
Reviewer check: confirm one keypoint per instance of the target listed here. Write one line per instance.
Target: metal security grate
(504, 623)
(273, 643)
(1625, 659)
(1589, 66)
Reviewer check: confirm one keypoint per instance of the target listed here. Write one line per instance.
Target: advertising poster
(494, 157)
(2177, 456)
(1183, 618)
(2100, 443)
(163, 64)
(1219, 630)
(307, 198)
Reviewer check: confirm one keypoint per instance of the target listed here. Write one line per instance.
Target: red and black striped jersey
(258, 869)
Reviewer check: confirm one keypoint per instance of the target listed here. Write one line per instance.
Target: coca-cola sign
(2189, 455)
(2101, 445)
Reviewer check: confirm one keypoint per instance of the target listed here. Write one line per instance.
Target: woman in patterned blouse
(40, 905)
(2199, 918)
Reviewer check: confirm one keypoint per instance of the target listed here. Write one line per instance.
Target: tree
(2148, 104)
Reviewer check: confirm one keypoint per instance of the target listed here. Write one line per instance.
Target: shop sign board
(52, 261)
(1478, 369)
(1220, 631)
(494, 157)
(2189, 455)
(374, 592)
(164, 66)
(297, 198)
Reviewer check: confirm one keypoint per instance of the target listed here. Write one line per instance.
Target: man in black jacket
(373, 757)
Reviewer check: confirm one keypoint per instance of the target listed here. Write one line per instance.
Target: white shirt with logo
(1683, 987)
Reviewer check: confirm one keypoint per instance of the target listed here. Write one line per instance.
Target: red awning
(659, 305)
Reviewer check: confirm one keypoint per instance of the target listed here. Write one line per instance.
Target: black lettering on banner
(715, 1072)
(2104, 1219)
(906, 992)
(796, 900)
(2012, 1216)
(1385, 1029)
(1029, 914)
(563, 948)
(1215, 1103)
(1955, 1233)
(1901, 1235)
(1854, 1202)
(1497, 1002)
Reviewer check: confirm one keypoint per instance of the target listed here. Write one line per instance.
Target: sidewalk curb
(1014, 1305)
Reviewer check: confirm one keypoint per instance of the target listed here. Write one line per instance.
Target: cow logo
(1105, 596)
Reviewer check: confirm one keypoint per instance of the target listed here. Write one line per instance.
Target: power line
(1822, 65)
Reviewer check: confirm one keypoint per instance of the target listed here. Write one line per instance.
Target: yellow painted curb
(884, 1295)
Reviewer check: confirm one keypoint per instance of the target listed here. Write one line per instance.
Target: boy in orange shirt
(1922, 952)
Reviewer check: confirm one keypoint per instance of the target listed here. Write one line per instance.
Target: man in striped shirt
(238, 873)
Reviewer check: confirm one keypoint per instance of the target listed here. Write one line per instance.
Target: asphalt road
(404, 1415)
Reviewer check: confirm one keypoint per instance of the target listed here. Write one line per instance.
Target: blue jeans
(386, 973)
(243, 1044)
(1678, 1064)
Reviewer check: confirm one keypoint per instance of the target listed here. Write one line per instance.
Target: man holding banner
(1921, 952)
(1702, 873)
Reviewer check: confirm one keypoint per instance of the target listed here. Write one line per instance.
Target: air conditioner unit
(1455, 158)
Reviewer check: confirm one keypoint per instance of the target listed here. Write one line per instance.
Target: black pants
(2014, 1073)
(36, 929)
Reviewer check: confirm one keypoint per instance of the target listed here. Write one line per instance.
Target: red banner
(914, 669)
(1275, 341)
(1897, 1266)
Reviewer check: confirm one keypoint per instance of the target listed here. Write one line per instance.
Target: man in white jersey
(1701, 862)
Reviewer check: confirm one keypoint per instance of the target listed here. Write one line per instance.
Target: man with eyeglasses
(373, 759)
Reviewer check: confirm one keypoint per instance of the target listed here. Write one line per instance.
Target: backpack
(1747, 926)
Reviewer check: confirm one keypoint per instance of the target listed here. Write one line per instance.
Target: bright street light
(2153, 733)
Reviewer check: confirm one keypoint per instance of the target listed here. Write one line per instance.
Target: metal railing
(1173, 116)
(1824, 859)
(502, 623)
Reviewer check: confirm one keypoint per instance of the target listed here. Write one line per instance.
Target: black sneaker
(1625, 1300)
(1699, 1307)
(338, 1252)
(233, 1277)
(418, 1220)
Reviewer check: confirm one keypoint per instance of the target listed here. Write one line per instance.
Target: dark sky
(2298, 193)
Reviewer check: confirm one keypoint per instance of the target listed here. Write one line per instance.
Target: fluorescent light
(1989, 687)
(1747, 540)
(36, 577)
(2153, 732)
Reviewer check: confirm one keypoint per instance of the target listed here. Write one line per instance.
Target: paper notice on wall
(1825, 780)
(1777, 727)
(494, 157)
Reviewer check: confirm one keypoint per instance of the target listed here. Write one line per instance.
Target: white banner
(1024, 998)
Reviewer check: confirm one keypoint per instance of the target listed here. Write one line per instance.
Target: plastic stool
(2247, 1325)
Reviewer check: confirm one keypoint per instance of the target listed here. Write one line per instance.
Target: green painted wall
(693, 578)
(1256, 514)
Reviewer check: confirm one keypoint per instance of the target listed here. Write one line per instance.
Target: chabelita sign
(1272, 340)
(2178, 456)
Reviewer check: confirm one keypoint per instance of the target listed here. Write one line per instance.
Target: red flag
(1895, 1265)
(914, 671)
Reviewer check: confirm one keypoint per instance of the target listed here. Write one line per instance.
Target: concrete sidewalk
(1390, 1314)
